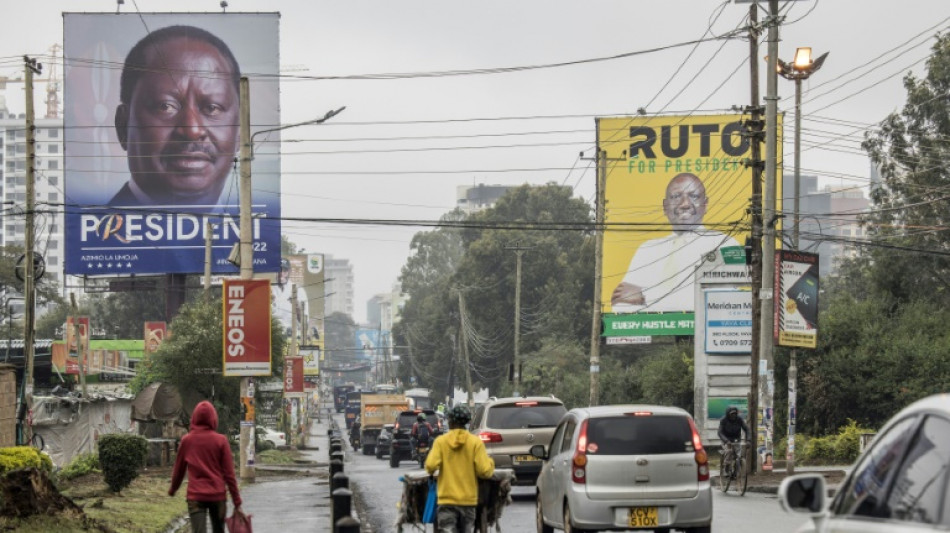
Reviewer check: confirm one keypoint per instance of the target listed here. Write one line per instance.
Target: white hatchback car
(899, 483)
(272, 436)
(624, 467)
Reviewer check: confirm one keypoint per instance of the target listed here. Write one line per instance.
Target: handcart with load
(493, 496)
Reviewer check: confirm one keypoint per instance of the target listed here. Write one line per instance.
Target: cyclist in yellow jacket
(461, 460)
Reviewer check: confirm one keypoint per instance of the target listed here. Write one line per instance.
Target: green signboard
(648, 324)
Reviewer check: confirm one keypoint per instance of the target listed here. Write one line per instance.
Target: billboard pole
(247, 264)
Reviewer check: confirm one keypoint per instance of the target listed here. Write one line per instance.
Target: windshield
(634, 435)
(525, 416)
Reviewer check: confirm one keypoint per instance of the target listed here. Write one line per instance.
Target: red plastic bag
(238, 523)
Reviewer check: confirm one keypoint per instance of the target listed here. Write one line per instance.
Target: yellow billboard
(677, 188)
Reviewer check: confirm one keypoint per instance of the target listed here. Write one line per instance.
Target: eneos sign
(246, 327)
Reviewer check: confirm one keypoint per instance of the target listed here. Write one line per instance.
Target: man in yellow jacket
(461, 460)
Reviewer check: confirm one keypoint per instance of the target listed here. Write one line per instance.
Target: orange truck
(376, 410)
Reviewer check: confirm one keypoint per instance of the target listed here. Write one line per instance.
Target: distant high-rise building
(339, 283)
(475, 198)
(48, 179)
(828, 219)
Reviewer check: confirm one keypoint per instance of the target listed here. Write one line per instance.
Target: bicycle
(737, 471)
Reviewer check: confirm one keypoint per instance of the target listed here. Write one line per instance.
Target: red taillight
(640, 413)
(489, 436)
(579, 463)
(526, 404)
(702, 460)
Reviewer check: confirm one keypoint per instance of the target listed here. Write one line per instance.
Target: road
(379, 487)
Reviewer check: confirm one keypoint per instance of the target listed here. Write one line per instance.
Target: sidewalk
(768, 482)
(294, 497)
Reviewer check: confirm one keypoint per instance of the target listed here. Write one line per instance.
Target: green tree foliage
(883, 339)
(911, 150)
(193, 348)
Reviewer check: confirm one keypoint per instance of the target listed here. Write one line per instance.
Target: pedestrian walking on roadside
(461, 460)
(206, 457)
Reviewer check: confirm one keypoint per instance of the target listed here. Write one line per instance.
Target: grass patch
(277, 457)
(142, 507)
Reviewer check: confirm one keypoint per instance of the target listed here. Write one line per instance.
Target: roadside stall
(493, 496)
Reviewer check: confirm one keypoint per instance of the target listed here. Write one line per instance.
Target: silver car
(624, 467)
(510, 426)
(899, 483)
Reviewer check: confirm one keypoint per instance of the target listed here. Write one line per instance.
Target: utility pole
(294, 316)
(766, 363)
(248, 472)
(755, 137)
(516, 373)
(463, 341)
(80, 352)
(29, 283)
(207, 284)
(595, 326)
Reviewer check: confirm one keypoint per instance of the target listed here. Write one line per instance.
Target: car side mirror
(803, 494)
(538, 451)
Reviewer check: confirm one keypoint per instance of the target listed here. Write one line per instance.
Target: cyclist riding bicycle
(731, 428)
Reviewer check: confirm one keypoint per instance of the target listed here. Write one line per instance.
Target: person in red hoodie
(206, 456)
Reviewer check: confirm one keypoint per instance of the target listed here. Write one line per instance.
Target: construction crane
(52, 83)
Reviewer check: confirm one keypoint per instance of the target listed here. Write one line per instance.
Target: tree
(912, 257)
(188, 356)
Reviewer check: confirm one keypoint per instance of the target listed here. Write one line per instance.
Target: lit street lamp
(799, 69)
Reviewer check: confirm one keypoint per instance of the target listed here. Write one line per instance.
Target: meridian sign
(151, 131)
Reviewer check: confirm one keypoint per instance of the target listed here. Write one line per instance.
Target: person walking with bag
(461, 460)
(206, 457)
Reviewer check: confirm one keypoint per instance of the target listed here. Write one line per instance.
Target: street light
(800, 69)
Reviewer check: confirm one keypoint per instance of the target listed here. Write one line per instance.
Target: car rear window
(635, 435)
(515, 416)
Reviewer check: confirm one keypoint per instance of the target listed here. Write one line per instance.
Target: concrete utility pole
(755, 134)
(516, 373)
(595, 326)
(80, 352)
(463, 341)
(29, 278)
(247, 470)
(294, 316)
(770, 218)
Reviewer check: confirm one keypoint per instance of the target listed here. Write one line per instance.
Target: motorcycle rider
(415, 434)
(731, 428)
(461, 460)
(355, 433)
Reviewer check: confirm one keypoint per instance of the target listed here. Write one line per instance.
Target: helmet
(421, 417)
(459, 415)
(732, 410)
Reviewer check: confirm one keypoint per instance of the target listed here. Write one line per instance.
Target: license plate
(524, 459)
(643, 517)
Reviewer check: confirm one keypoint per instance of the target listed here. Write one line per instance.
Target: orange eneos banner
(293, 376)
(246, 327)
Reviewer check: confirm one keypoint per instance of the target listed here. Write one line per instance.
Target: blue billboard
(151, 116)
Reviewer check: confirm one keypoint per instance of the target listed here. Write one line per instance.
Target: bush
(120, 456)
(843, 447)
(82, 464)
(18, 457)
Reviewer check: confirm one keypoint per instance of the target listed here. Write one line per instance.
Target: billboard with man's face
(676, 189)
(152, 137)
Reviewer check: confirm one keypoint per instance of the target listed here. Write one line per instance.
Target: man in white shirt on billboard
(660, 275)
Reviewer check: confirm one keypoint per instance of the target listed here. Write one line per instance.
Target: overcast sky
(403, 145)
